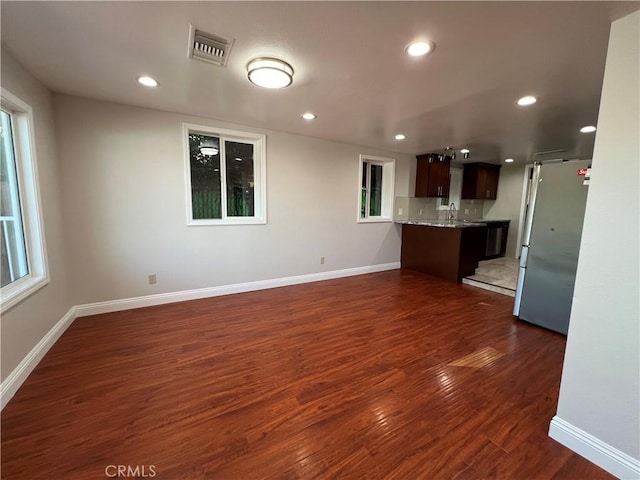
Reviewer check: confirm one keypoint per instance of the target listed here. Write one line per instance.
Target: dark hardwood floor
(347, 378)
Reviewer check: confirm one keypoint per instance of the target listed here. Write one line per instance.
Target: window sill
(227, 221)
(19, 290)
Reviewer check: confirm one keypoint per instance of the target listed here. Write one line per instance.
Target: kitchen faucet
(452, 211)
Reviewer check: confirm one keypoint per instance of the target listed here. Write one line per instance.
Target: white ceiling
(350, 67)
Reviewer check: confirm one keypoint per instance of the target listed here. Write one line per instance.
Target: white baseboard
(15, 379)
(595, 450)
(171, 297)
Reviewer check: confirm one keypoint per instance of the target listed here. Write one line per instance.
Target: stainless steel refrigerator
(551, 242)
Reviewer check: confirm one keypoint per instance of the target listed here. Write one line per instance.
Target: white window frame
(259, 175)
(388, 184)
(30, 206)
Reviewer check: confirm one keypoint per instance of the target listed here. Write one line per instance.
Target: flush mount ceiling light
(464, 150)
(418, 49)
(508, 160)
(400, 136)
(528, 100)
(309, 116)
(270, 73)
(147, 81)
(588, 129)
(209, 151)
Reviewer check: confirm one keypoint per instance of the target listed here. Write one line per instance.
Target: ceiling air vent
(550, 152)
(550, 156)
(209, 47)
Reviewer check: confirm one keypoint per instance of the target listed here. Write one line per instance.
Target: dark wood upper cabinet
(480, 181)
(432, 175)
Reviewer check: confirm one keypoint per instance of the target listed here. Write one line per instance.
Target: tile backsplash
(420, 208)
(470, 209)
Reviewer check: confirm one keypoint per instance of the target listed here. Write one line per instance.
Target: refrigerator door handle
(533, 194)
(518, 299)
(524, 255)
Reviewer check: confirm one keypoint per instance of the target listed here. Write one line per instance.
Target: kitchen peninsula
(448, 249)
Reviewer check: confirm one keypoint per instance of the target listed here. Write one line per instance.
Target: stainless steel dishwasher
(496, 244)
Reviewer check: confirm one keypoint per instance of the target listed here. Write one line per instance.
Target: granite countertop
(443, 223)
(475, 222)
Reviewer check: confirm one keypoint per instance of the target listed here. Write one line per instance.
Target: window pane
(240, 181)
(13, 250)
(206, 193)
(5, 267)
(13, 264)
(363, 191)
(375, 201)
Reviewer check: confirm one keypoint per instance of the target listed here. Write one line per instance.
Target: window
(22, 254)
(14, 253)
(375, 196)
(455, 191)
(225, 173)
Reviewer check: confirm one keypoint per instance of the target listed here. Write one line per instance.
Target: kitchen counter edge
(442, 223)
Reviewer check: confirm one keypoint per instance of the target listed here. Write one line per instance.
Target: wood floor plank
(348, 378)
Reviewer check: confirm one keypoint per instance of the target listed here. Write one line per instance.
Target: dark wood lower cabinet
(444, 252)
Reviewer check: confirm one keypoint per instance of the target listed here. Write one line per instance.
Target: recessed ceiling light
(508, 160)
(528, 100)
(309, 116)
(417, 49)
(588, 129)
(400, 136)
(147, 81)
(464, 150)
(270, 73)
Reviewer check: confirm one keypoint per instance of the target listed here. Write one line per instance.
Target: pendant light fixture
(270, 73)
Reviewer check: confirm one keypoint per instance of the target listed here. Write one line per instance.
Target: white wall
(600, 389)
(124, 203)
(507, 205)
(24, 325)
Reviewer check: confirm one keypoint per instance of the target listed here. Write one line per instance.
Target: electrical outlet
(399, 211)
(321, 260)
(466, 211)
(420, 211)
(153, 279)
